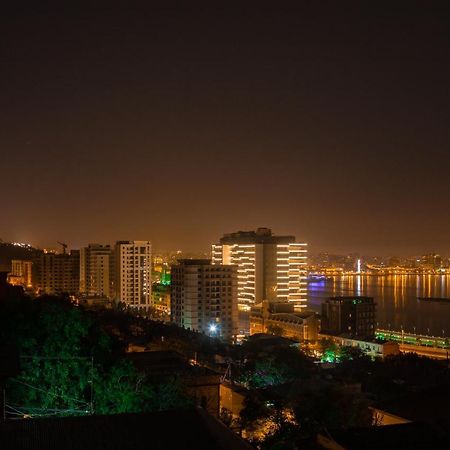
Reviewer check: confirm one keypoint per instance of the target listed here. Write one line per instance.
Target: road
(431, 352)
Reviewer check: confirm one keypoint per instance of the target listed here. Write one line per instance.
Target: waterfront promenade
(431, 346)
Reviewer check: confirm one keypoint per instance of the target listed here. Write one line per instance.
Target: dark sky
(177, 125)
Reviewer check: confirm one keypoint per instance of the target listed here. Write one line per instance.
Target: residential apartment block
(204, 297)
(97, 271)
(134, 273)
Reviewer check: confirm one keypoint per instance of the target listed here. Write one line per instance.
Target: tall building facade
(431, 261)
(21, 272)
(350, 316)
(204, 297)
(134, 273)
(57, 273)
(270, 267)
(97, 271)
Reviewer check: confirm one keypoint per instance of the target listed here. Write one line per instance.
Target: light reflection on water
(396, 299)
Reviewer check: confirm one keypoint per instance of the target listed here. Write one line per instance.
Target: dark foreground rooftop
(165, 430)
(430, 405)
(409, 436)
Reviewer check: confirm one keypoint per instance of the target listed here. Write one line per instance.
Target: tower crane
(64, 246)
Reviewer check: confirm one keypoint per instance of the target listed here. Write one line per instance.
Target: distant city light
(21, 244)
(213, 328)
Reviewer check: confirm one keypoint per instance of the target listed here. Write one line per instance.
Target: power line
(41, 412)
(54, 357)
(45, 412)
(63, 396)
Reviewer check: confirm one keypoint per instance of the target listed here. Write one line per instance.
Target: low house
(201, 383)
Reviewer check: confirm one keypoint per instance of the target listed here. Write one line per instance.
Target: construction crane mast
(64, 246)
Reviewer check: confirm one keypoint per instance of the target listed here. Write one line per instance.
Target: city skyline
(204, 250)
(177, 124)
(225, 226)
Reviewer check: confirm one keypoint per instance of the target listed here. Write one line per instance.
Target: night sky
(177, 125)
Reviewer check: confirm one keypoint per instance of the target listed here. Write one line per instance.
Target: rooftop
(194, 262)
(259, 236)
(408, 436)
(164, 430)
(429, 405)
(166, 363)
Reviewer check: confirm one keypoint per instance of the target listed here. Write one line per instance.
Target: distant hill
(9, 251)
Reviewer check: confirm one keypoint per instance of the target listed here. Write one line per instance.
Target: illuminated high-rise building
(97, 271)
(134, 273)
(21, 272)
(204, 297)
(431, 261)
(271, 268)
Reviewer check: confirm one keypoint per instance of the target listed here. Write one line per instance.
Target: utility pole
(92, 385)
(3, 419)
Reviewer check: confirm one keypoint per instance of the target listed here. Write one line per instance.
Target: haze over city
(179, 124)
(225, 226)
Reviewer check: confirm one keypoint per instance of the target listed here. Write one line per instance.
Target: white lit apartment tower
(97, 271)
(133, 273)
(204, 297)
(291, 273)
(271, 268)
